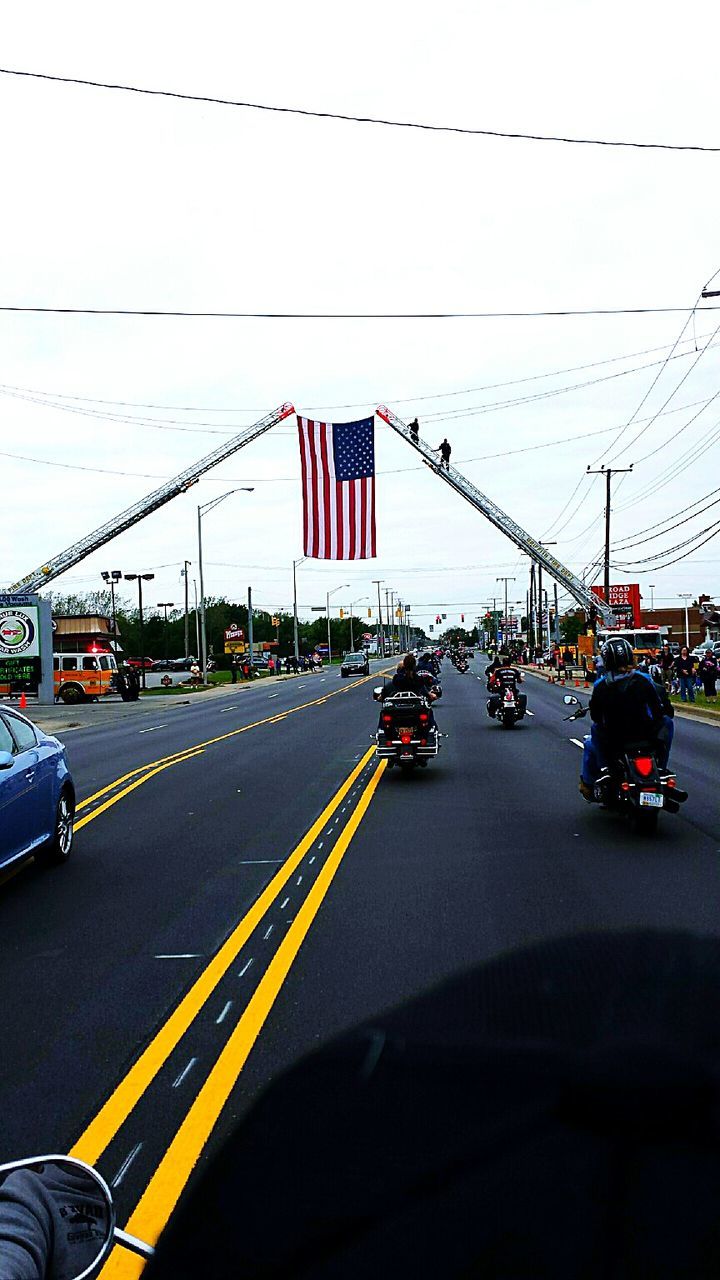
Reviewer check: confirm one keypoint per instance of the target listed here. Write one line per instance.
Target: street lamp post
(352, 606)
(140, 578)
(169, 604)
(381, 634)
(184, 574)
(202, 510)
(329, 594)
(686, 595)
(112, 576)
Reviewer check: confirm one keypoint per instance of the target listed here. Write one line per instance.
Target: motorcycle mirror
(377, 692)
(570, 700)
(81, 1192)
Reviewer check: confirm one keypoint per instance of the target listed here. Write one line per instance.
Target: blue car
(37, 794)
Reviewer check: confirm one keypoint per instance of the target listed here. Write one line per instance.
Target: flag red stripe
(325, 476)
(372, 516)
(352, 549)
(302, 433)
(363, 517)
(314, 548)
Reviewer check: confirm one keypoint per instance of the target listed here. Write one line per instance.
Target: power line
(633, 540)
(158, 312)
(376, 120)
(357, 404)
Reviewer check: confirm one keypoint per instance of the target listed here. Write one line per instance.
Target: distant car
(355, 664)
(37, 793)
(147, 663)
(712, 647)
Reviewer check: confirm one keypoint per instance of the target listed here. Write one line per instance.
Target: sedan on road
(37, 794)
(355, 664)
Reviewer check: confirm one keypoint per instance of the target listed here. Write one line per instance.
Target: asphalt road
(246, 883)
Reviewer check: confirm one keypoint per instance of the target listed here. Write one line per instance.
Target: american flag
(338, 477)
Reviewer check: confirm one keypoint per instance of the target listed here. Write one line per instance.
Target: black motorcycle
(634, 782)
(407, 735)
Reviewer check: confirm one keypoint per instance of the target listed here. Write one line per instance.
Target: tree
(571, 626)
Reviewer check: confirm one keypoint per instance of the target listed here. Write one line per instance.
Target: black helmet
(616, 652)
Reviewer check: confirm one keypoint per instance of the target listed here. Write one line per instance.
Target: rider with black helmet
(624, 707)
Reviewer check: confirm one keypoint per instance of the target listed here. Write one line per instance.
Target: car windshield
(355, 657)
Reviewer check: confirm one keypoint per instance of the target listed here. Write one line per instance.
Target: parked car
(355, 664)
(711, 646)
(147, 663)
(37, 793)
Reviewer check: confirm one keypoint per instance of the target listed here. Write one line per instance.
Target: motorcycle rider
(624, 707)
(505, 677)
(408, 679)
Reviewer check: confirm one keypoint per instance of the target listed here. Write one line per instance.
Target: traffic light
(462, 617)
(342, 613)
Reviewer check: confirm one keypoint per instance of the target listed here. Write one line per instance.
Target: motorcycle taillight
(423, 717)
(644, 765)
(406, 739)
(386, 717)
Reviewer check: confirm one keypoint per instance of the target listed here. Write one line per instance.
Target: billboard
(624, 602)
(19, 632)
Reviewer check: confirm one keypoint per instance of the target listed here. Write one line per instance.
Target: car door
(15, 803)
(35, 778)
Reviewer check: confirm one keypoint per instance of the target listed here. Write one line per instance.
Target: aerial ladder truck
(179, 484)
(512, 530)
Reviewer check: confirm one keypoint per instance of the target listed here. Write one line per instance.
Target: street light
(166, 605)
(329, 594)
(112, 576)
(140, 578)
(380, 633)
(352, 606)
(202, 510)
(686, 595)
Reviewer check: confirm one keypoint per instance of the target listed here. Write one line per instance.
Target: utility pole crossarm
(179, 484)
(512, 530)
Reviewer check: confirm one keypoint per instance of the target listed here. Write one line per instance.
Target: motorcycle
(634, 783)
(406, 735)
(505, 704)
(85, 1231)
(462, 665)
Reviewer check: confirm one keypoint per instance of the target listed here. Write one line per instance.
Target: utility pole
(504, 629)
(250, 629)
(166, 604)
(608, 472)
(532, 629)
(388, 619)
(296, 642)
(381, 634)
(187, 616)
(541, 623)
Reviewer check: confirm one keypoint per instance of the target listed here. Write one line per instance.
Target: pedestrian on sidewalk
(271, 666)
(666, 662)
(708, 671)
(685, 668)
(234, 664)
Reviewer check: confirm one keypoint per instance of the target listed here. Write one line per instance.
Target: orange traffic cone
(23, 702)
(577, 684)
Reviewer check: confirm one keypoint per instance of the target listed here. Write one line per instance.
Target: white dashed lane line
(578, 743)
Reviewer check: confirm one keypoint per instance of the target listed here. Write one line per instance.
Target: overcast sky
(116, 200)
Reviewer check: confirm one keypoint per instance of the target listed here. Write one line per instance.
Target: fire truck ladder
(512, 530)
(180, 484)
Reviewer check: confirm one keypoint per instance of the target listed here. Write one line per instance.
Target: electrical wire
(633, 539)
(158, 312)
(376, 120)
(357, 404)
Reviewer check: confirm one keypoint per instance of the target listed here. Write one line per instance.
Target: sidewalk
(60, 718)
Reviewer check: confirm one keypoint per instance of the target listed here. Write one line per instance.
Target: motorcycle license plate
(651, 799)
(406, 732)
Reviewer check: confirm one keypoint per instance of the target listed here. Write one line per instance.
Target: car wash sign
(19, 631)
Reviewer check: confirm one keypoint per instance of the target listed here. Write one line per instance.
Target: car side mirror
(570, 700)
(93, 1232)
(7, 760)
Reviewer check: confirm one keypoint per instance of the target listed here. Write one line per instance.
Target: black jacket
(626, 708)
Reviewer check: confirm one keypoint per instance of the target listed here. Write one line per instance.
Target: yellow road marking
(171, 1175)
(180, 755)
(89, 817)
(113, 1114)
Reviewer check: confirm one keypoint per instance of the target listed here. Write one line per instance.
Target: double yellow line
(143, 773)
(166, 1185)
